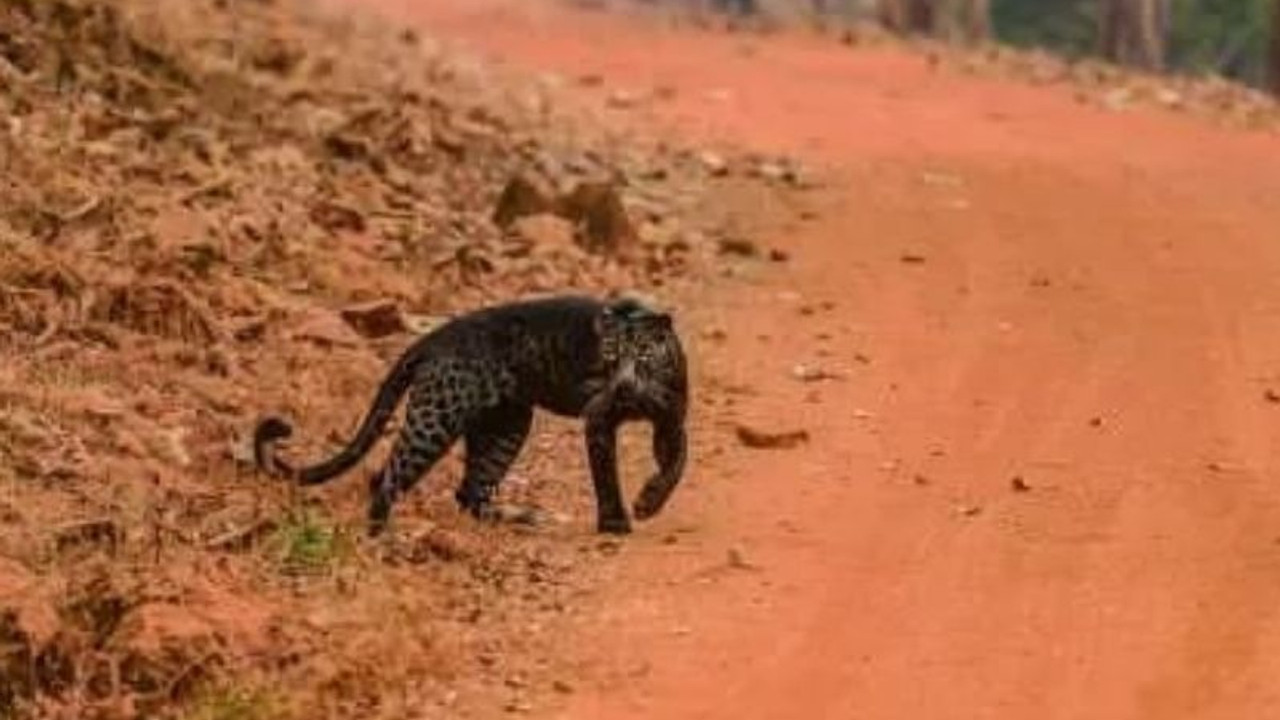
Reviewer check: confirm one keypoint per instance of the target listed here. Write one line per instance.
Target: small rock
(335, 217)
(713, 163)
(600, 217)
(518, 706)
(771, 171)
(623, 99)
(562, 687)
(423, 324)
(736, 559)
(812, 373)
(776, 255)
(250, 330)
(970, 510)
(325, 328)
(760, 439)
(545, 231)
(520, 197)
(1019, 485)
(376, 319)
(433, 543)
(1271, 396)
(102, 408)
(912, 259)
(739, 247)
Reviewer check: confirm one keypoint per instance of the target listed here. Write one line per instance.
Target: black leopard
(479, 377)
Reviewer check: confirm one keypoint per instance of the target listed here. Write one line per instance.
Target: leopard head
(641, 350)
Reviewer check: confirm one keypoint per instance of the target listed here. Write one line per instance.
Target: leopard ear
(624, 307)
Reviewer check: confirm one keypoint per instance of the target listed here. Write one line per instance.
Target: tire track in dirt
(1094, 315)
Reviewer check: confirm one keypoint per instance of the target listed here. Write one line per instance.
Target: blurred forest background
(1237, 39)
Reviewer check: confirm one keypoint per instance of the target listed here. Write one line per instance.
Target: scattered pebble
(713, 163)
(623, 99)
(714, 333)
(779, 440)
(376, 319)
(812, 373)
(737, 559)
(739, 247)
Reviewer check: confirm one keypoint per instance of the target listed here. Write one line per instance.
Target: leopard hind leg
(434, 420)
(493, 441)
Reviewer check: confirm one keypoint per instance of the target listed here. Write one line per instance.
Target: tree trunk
(954, 20)
(978, 20)
(1134, 32)
(907, 16)
(963, 21)
(1274, 64)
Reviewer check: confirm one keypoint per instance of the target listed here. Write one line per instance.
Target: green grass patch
(235, 704)
(309, 544)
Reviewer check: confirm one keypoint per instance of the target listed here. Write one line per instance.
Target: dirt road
(1044, 484)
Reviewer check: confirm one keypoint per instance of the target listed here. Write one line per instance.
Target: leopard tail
(273, 429)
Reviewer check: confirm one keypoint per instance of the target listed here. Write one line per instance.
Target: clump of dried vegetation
(214, 208)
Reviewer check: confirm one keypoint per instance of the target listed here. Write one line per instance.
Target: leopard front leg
(670, 451)
(602, 454)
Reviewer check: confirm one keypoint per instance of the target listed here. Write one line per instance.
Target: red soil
(1043, 487)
